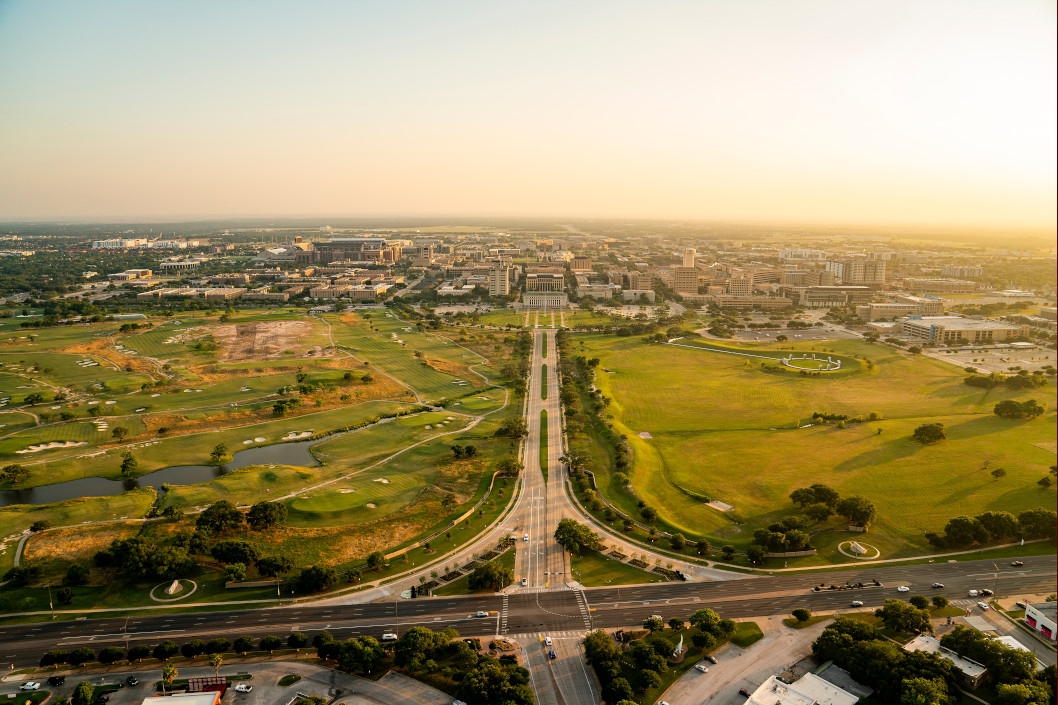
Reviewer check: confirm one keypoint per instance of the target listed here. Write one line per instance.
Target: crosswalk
(503, 614)
(585, 612)
(533, 637)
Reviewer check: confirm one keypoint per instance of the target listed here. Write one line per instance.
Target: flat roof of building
(964, 323)
(1047, 608)
(928, 644)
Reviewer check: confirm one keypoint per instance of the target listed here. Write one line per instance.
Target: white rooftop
(924, 642)
(809, 689)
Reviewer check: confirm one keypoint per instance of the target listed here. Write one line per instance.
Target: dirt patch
(351, 319)
(1050, 446)
(76, 544)
(264, 340)
(455, 369)
(100, 347)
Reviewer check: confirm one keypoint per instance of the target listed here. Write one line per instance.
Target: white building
(809, 689)
(972, 672)
(1041, 617)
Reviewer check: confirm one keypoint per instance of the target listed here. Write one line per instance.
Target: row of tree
(965, 530)
(819, 502)
(168, 649)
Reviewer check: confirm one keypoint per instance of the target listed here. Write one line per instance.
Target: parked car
(710, 658)
(525, 537)
(547, 641)
(132, 680)
(903, 588)
(700, 667)
(29, 685)
(525, 581)
(1017, 564)
(243, 688)
(56, 680)
(390, 636)
(856, 603)
(938, 586)
(974, 593)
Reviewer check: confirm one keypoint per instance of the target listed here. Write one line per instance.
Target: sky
(859, 111)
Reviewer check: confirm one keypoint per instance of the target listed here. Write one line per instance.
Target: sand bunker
(383, 480)
(261, 340)
(371, 505)
(345, 491)
(294, 435)
(260, 439)
(57, 444)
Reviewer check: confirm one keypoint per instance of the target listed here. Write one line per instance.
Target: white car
(547, 641)
(243, 688)
(525, 581)
(31, 685)
(656, 616)
(525, 537)
(983, 605)
(903, 588)
(701, 668)
(481, 614)
(856, 603)
(390, 636)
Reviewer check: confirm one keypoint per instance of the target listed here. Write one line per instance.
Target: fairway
(715, 421)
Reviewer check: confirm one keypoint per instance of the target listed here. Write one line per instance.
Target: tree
(270, 643)
(169, 674)
(265, 515)
(1031, 693)
(314, 579)
(166, 650)
(818, 512)
(138, 653)
(54, 658)
(119, 433)
(235, 552)
(218, 454)
(81, 656)
(919, 601)
(649, 679)
(82, 694)
(235, 573)
(857, 510)
(998, 474)
(111, 654)
(510, 465)
(376, 561)
(929, 433)
(756, 554)
(243, 645)
(219, 517)
(703, 640)
(653, 624)
(14, 474)
(1044, 482)
(215, 662)
(574, 537)
(1038, 523)
(922, 691)
(490, 575)
(76, 575)
(364, 654)
(274, 565)
(939, 601)
(999, 525)
(902, 617)
(1010, 409)
(781, 338)
(802, 615)
(297, 640)
(675, 624)
(965, 531)
(513, 427)
(490, 682)
(677, 541)
(219, 645)
(128, 464)
(193, 648)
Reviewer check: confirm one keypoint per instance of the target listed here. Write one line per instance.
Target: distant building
(119, 243)
(766, 303)
(739, 286)
(545, 281)
(957, 270)
(827, 296)
(940, 286)
(580, 264)
(904, 306)
(130, 274)
(500, 280)
(689, 256)
(955, 329)
(175, 265)
(971, 671)
(545, 300)
(1040, 616)
(867, 272)
(685, 280)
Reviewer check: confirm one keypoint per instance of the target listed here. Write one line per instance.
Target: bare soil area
(264, 340)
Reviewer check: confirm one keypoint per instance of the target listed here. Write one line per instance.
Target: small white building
(809, 689)
(1041, 617)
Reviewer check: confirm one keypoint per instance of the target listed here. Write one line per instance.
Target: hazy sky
(932, 112)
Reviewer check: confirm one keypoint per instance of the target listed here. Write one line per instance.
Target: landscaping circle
(810, 362)
(847, 548)
(183, 593)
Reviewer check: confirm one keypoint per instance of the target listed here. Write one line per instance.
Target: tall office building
(685, 280)
(858, 271)
(499, 280)
(688, 256)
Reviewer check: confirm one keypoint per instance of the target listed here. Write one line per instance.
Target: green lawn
(724, 429)
(461, 587)
(593, 569)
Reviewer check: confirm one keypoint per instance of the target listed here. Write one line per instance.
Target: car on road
(29, 685)
(656, 616)
(973, 593)
(56, 680)
(551, 654)
(856, 603)
(525, 581)
(710, 658)
(701, 668)
(987, 593)
(525, 537)
(903, 588)
(547, 641)
(243, 688)
(102, 700)
(1017, 564)
(983, 605)
(481, 613)
(938, 586)
(390, 636)
(132, 680)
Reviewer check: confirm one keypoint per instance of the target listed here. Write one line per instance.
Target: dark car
(132, 680)
(551, 654)
(102, 700)
(743, 692)
(938, 586)
(710, 658)
(987, 592)
(56, 680)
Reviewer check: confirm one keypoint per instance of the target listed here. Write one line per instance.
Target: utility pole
(51, 605)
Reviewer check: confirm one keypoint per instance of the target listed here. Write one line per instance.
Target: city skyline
(877, 113)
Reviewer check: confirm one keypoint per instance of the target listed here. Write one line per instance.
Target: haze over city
(939, 113)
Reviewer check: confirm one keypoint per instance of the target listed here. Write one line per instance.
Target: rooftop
(924, 642)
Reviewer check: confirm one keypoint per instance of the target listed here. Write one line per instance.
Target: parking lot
(337, 688)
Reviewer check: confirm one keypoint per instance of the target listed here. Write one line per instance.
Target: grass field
(461, 587)
(723, 429)
(593, 569)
